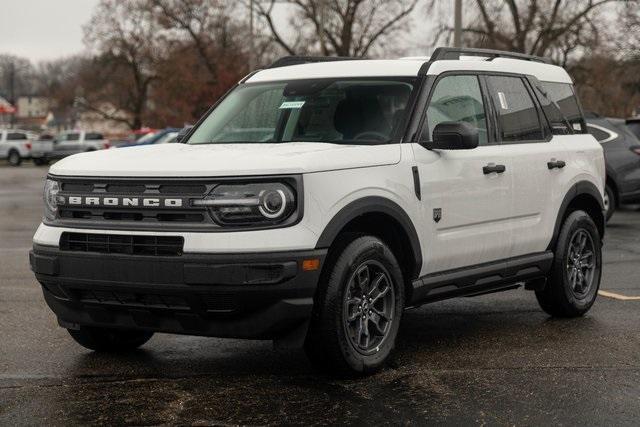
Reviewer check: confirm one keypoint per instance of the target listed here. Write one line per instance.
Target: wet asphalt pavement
(495, 359)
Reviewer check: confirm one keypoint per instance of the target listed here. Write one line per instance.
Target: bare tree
(336, 27)
(119, 78)
(555, 28)
(207, 26)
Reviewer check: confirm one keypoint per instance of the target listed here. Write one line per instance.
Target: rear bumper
(257, 295)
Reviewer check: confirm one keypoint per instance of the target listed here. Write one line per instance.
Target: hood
(211, 160)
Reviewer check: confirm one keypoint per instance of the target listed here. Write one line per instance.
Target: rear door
(466, 205)
(536, 157)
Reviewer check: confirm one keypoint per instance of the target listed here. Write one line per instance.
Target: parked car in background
(634, 125)
(622, 158)
(76, 141)
(15, 145)
(160, 137)
(41, 149)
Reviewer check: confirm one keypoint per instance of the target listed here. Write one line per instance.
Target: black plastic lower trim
(250, 295)
(481, 278)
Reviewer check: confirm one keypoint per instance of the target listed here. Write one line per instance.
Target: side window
(456, 99)
(562, 94)
(92, 136)
(517, 114)
(16, 136)
(72, 137)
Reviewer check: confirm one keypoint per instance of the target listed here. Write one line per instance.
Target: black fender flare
(579, 188)
(368, 205)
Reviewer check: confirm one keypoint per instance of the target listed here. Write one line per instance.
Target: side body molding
(578, 189)
(373, 205)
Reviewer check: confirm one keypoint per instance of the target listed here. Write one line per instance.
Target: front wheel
(109, 340)
(574, 280)
(357, 309)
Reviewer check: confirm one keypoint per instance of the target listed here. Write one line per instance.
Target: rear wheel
(573, 284)
(609, 202)
(357, 309)
(14, 158)
(109, 340)
(40, 162)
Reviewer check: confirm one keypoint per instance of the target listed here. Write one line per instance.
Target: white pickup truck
(72, 142)
(15, 146)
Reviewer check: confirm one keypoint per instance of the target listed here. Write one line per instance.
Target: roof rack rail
(442, 53)
(297, 60)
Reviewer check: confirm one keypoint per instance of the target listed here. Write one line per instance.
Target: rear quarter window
(565, 98)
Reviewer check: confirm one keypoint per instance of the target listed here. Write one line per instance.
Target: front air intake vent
(122, 244)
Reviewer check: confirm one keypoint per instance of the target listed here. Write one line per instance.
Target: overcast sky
(49, 29)
(43, 29)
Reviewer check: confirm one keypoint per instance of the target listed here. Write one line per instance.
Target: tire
(609, 202)
(14, 158)
(40, 162)
(572, 288)
(347, 348)
(109, 340)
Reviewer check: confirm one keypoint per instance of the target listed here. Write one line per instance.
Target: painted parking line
(617, 296)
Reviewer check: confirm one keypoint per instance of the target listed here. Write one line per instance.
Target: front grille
(211, 302)
(122, 244)
(139, 217)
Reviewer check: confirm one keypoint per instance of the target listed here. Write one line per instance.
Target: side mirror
(183, 132)
(454, 136)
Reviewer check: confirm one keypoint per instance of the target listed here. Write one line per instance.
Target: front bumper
(253, 295)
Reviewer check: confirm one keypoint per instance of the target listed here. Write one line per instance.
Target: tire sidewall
(354, 255)
(576, 221)
(612, 202)
(14, 158)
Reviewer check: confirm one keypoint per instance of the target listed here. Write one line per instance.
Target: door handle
(491, 167)
(556, 164)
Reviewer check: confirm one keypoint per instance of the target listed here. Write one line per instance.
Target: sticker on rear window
(503, 101)
(292, 105)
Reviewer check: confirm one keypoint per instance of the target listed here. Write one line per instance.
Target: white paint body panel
(484, 217)
(19, 145)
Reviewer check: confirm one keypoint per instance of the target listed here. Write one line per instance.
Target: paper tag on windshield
(503, 101)
(292, 105)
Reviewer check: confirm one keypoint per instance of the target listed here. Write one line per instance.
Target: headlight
(250, 204)
(51, 190)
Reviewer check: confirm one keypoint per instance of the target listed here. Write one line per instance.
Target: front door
(466, 194)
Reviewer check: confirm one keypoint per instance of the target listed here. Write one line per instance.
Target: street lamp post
(457, 24)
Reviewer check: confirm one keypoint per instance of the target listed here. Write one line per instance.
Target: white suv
(320, 198)
(15, 145)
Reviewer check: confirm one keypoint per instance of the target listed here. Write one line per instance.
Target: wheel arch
(583, 195)
(367, 215)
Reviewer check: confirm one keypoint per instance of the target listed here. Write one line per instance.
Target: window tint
(598, 134)
(15, 136)
(92, 136)
(517, 113)
(562, 94)
(635, 128)
(72, 137)
(456, 99)
(349, 111)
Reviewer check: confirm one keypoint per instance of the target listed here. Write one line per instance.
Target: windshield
(341, 111)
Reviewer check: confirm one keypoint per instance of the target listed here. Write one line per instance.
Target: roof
(408, 67)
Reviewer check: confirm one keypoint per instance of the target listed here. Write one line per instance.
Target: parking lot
(495, 359)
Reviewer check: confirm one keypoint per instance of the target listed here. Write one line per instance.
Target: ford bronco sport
(321, 197)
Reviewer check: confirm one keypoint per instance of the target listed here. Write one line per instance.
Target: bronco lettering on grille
(148, 202)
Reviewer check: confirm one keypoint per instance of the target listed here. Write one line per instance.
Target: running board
(482, 278)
